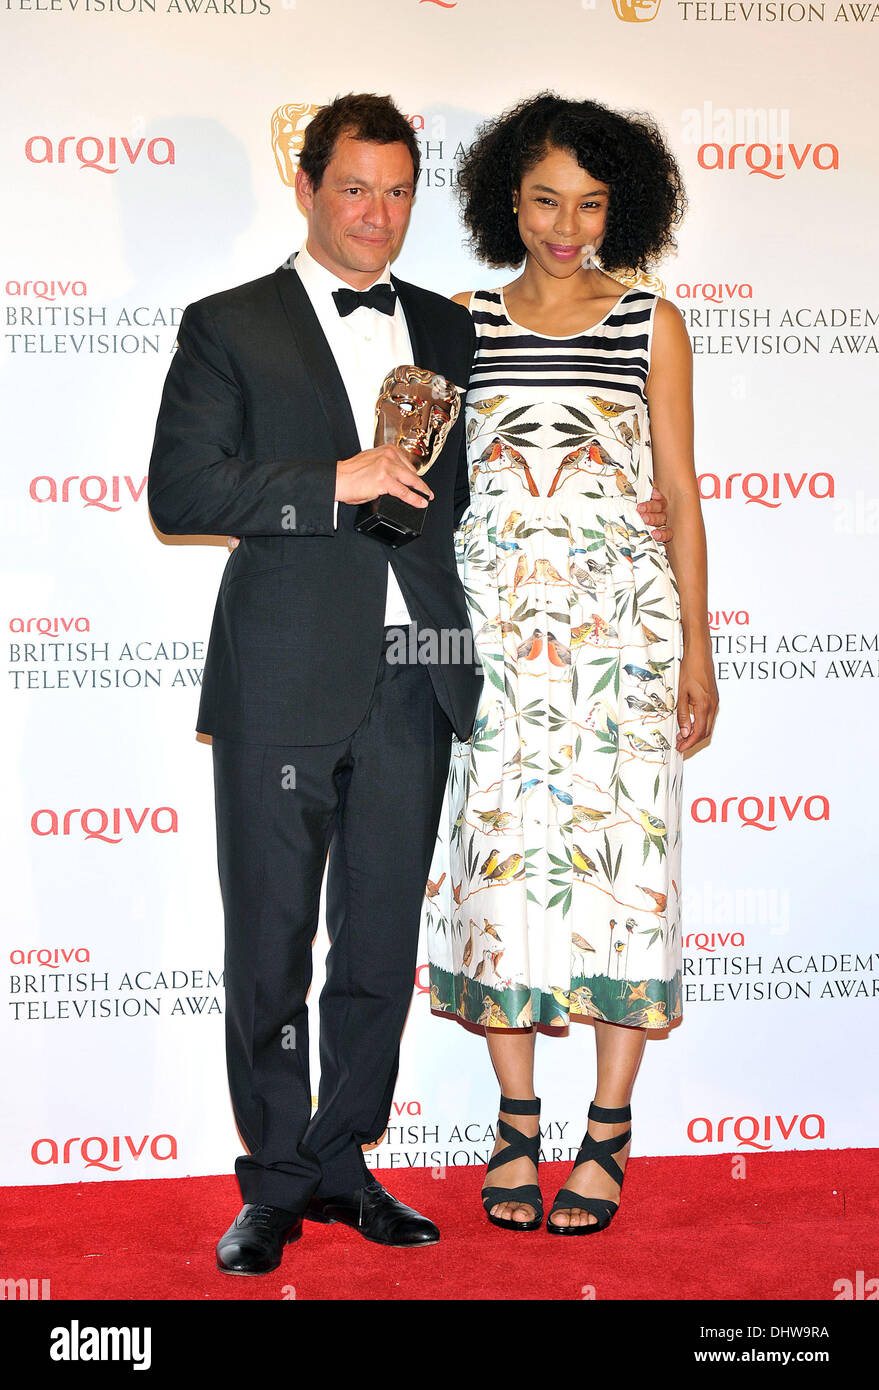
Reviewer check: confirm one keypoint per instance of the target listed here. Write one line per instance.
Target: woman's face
(562, 210)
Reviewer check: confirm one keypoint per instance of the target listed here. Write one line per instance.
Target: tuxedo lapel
(419, 335)
(430, 347)
(319, 362)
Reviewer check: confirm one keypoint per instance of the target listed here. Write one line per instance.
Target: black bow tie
(382, 297)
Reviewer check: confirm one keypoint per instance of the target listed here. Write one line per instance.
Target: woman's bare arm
(670, 402)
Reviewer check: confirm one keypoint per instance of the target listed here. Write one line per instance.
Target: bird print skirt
(554, 892)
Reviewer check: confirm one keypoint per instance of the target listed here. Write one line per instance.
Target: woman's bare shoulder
(464, 298)
(670, 329)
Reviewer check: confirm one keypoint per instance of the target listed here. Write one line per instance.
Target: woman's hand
(698, 700)
(654, 515)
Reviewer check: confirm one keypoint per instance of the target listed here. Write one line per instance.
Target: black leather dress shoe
(255, 1241)
(376, 1215)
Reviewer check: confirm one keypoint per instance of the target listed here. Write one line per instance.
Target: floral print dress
(554, 892)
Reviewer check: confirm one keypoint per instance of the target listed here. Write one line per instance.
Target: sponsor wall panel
(146, 170)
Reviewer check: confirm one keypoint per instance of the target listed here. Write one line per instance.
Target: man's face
(358, 217)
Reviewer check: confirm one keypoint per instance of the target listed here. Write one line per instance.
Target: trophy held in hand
(415, 410)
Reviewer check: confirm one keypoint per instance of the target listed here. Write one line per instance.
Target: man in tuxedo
(320, 744)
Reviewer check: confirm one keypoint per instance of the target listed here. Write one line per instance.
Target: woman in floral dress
(555, 888)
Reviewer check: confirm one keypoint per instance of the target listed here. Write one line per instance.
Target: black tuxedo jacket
(253, 419)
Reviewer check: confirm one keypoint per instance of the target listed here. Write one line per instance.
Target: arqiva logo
(714, 293)
(706, 811)
(52, 957)
(759, 158)
(92, 490)
(91, 152)
(54, 1153)
(761, 487)
(48, 822)
(713, 941)
(45, 289)
(745, 1128)
(49, 627)
(728, 617)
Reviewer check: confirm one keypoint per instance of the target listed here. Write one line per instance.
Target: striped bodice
(560, 418)
(616, 352)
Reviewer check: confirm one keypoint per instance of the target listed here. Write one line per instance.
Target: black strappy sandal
(601, 1151)
(519, 1145)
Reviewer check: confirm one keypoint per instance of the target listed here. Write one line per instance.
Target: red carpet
(794, 1226)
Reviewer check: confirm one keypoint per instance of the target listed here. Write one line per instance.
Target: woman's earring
(515, 207)
(589, 262)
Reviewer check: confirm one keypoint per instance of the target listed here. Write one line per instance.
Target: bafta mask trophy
(415, 410)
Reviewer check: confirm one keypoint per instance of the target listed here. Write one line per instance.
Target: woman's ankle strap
(609, 1117)
(520, 1107)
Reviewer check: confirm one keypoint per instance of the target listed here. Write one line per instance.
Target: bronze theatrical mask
(415, 411)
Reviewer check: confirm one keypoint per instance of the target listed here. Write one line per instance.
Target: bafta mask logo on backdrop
(636, 11)
(288, 135)
(641, 280)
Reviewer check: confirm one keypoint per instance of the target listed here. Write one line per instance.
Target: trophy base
(390, 520)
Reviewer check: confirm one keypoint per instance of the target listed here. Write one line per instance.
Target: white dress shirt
(366, 345)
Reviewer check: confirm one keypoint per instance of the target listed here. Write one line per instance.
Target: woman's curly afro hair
(627, 152)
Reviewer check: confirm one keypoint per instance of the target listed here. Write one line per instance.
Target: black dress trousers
(373, 801)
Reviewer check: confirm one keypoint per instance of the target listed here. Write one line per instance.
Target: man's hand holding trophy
(414, 412)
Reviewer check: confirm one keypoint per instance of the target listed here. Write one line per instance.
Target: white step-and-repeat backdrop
(147, 150)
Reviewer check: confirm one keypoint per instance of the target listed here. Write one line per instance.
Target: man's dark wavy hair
(627, 152)
(364, 116)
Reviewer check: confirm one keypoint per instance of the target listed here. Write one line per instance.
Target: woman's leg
(512, 1056)
(619, 1050)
